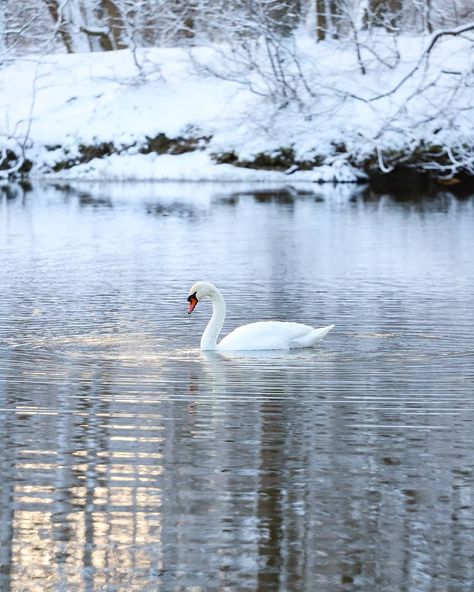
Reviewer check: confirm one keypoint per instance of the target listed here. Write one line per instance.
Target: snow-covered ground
(54, 104)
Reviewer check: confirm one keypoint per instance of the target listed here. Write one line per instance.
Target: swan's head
(199, 291)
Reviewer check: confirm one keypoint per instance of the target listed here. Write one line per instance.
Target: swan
(264, 335)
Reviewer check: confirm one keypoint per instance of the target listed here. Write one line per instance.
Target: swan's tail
(311, 338)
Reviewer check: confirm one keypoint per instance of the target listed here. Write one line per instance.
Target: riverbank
(175, 114)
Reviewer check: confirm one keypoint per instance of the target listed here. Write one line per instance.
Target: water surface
(132, 461)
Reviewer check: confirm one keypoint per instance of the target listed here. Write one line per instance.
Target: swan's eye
(192, 297)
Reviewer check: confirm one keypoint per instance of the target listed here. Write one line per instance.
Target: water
(132, 461)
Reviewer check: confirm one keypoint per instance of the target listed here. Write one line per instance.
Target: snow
(53, 104)
(192, 166)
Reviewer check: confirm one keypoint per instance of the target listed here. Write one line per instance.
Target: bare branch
(435, 38)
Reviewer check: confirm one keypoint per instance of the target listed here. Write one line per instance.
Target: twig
(435, 38)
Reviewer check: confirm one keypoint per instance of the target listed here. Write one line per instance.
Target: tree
(3, 27)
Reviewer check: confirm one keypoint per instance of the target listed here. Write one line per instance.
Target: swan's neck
(211, 332)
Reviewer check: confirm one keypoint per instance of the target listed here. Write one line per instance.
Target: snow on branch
(435, 37)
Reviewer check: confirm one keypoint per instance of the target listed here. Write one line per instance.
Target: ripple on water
(130, 458)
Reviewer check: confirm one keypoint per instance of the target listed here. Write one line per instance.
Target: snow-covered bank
(98, 116)
(193, 166)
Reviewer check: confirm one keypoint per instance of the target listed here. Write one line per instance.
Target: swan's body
(264, 335)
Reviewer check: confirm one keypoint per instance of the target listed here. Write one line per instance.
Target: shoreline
(186, 160)
(402, 186)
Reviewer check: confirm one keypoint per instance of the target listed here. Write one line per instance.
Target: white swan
(255, 336)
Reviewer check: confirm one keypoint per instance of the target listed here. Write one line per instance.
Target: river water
(130, 461)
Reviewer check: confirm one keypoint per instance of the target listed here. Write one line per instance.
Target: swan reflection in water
(256, 376)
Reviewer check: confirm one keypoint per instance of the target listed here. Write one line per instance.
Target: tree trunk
(3, 27)
(429, 25)
(62, 28)
(115, 22)
(328, 7)
(321, 21)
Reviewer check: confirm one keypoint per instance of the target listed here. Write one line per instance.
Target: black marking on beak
(192, 302)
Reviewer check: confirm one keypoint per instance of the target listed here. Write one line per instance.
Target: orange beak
(192, 301)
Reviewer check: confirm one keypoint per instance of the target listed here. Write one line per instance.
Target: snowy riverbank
(157, 115)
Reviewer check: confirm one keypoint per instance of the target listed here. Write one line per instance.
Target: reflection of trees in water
(53, 447)
(15, 191)
(411, 189)
(181, 210)
(239, 472)
(8, 460)
(421, 193)
(285, 196)
(259, 484)
(72, 495)
(335, 505)
(83, 197)
(440, 202)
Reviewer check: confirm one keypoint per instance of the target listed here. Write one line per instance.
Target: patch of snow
(54, 104)
(193, 166)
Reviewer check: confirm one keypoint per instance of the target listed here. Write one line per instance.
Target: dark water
(131, 461)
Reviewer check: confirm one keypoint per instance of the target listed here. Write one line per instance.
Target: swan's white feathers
(264, 335)
(310, 339)
(201, 289)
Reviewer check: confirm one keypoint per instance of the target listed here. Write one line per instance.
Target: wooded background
(102, 25)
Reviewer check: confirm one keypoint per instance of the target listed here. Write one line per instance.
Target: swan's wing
(310, 339)
(266, 335)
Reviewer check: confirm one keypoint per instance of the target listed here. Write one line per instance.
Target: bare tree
(62, 26)
(3, 26)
